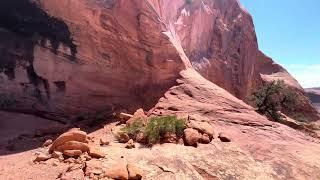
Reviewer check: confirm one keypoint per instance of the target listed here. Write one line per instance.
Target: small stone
(90, 139)
(170, 138)
(56, 154)
(141, 138)
(199, 123)
(104, 141)
(47, 143)
(224, 138)
(94, 167)
(96, 152)
(191, 137)
(72, 153)
(139, 115)
(85, 157)
(42, 157)
(130, 144)
(70, 160)
(75, 174)
(180, 141)
(61, 158)
(123, 137)
(55, 163)
(73, 167)
(124, 117)
(118, 171)
(134, 172)
(205, 139)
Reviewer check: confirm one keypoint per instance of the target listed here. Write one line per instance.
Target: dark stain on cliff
(23, 25)
(27, 19)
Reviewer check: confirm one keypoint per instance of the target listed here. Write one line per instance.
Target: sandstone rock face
(116, 53)
(112, 53)
(272, 147)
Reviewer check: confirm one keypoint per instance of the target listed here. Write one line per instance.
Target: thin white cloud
(307, 75)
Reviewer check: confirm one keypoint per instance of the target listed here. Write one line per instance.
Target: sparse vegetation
(273, 97)
(133, 129)
(156, 128)
(7, 101)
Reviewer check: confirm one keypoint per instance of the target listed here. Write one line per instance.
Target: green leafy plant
(273, 97)
(156, 128)
(133, 129)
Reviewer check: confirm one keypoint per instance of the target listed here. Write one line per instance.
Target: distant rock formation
(314, 95)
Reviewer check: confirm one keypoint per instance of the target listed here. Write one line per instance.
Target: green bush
(156, 128)
(133, 129)
(273, 97)
(7, 101)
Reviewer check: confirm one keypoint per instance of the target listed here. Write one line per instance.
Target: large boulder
(79, 136)
(201, 124)
(191, 137)
(117, 171)
(73, 145)
(139, 115)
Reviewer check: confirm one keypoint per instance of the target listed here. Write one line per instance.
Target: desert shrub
(156, 128)
(134, 128)
(7, 101)
(273, 97)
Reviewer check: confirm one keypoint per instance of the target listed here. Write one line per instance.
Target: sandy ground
(254, 153)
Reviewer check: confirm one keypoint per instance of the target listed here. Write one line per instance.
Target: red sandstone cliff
(63, 58)
(120, 54)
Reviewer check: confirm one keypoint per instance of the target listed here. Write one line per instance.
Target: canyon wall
(71, 56)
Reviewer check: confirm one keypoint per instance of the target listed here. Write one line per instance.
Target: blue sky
(289, 32)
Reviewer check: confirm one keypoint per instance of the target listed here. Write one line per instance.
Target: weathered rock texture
(64, 57)
(84, 55)
(259, 149)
